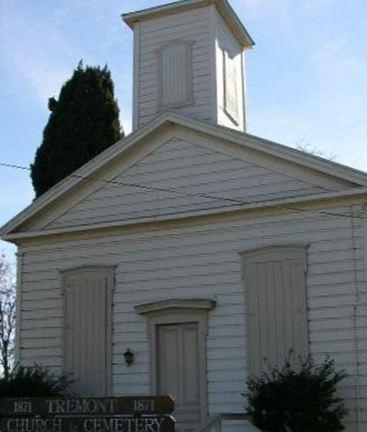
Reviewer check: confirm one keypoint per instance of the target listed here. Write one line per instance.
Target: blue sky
(306, 77)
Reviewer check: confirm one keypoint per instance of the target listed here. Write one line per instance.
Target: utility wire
(8, 165)
(202, 195)
(138, 185)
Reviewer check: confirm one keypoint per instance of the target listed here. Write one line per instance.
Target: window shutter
(276, 306)
(175, 74)
(87, 316)
(230, 86)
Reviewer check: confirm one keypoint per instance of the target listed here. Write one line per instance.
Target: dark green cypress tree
(83, 122)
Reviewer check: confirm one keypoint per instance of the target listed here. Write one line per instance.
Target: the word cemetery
(115, 414)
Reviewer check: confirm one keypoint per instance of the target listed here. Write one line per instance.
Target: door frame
(179, 312)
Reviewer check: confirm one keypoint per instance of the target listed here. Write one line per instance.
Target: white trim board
(179, 311)
(159, 306)
(223, 7)
(360, 194)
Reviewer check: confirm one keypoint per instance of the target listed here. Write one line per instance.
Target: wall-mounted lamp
(129, 357)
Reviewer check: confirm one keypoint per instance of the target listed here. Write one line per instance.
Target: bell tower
(188, 57)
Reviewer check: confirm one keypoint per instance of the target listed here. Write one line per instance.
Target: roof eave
(223, 6)
(290, 204)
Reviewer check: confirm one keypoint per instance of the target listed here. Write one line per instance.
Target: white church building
(191, 254)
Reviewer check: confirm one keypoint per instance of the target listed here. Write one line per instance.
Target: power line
(138, 185)
(202, 195)
(8, 165)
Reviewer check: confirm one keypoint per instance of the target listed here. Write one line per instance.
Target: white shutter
(174, 74)
(87, 355)
(276, 306)
(230, 86)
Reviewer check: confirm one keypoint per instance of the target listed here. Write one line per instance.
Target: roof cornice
(224, 8)
(170, 118)
(290, 204)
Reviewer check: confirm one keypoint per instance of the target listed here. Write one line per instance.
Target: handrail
(210, 423)
(215, 421)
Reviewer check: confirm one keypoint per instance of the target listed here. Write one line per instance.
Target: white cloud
(331, 113)
(34, 51)
(340, 75)
(23, 52)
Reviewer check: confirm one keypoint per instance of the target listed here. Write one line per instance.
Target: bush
(300, 399)
(34, 381)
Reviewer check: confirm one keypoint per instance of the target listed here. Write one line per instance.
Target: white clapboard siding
(189, 26)
(277, 326)
(204, 260)
(182, 176)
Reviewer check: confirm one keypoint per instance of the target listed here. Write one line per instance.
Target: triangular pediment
(184, 176)
(178, 166)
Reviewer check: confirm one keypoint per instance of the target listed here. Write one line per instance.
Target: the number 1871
(22, 407)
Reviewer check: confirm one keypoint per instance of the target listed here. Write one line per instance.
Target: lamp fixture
(129, 357)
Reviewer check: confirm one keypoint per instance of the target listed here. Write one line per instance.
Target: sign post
(107, 414)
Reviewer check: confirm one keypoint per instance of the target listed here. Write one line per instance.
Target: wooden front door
(179, 373)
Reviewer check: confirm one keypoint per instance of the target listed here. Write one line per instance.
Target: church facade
(192, 254)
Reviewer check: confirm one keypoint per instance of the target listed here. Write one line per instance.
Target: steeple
(188, 57)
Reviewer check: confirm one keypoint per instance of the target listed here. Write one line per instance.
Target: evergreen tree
(83, 122)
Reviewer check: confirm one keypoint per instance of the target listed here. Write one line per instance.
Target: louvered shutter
(87, 347)
(276, 306)
(175, 74)
(230, 86)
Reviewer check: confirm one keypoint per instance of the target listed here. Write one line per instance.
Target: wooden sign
(143, 423)
(87, 406)
(106, 414)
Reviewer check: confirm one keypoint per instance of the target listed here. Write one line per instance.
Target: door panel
(190, 354)
(168, 351)
(178, 371)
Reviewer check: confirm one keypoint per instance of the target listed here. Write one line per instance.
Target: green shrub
(297, 399)
(35, 381)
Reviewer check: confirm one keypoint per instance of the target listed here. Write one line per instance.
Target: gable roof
(167, 119)
(223, 7)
